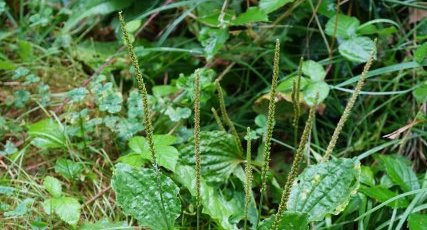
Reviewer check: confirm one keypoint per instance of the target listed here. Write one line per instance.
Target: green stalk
(197, 142)
(248, 173)
(296, 101)
(349, 106)
(226, 117)
(217, 119)
(295, 166)
(270, 124)
(147, 113)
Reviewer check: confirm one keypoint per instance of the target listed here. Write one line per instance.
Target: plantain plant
(151, 196)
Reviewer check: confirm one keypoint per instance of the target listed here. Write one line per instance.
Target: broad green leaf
(252, 14)
(346, 26)
(67, 208)
(212, 40)
(220, 155)
(47, 134)
(417, 221)
(314, 70)
(382, 194)
(325, 188)
(21, 209)
(166, 155)
(357, 49)
(313, 89)
(421, 53)
(400, 172)
(420, 93)
(53, 186)
(137, 193)
(214, 203)
(269, 6)
(68, 169)
(288, 221)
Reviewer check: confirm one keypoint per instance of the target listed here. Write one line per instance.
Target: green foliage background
(73, 147)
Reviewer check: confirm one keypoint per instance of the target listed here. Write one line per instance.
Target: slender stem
(248, 172)
(218, 120)
(147, 113)
(270, 121)
(295, 166)
(296, 101)
(349, 107)
(226, 117)
(197, 142)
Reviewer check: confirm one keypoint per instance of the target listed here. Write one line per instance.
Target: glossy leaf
(313, 89)
(314, 70)
(382, 194)
(137, 193)
(417, 221)
(252, 14)
(220, 155)
(67, 208)
(214, 203)
(47, 134)
(288, 221)
(325, 188)
(271, 5)
(357, 49)
(400, 172)
(346, 26)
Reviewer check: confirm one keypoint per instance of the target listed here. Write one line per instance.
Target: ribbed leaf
(225, 212)
(220, 155)
(325, 188)
(137, 192)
